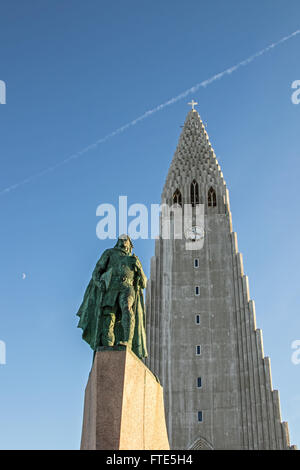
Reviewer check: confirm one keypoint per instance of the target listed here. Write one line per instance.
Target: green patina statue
(112, 312)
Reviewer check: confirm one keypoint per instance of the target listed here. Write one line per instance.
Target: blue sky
(75, 71)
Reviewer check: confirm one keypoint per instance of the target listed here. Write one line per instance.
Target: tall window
(194, 193)
(198, 350)
(200, 416)
(199, 382)
(197, 318)
(211, 197)
(177, 199)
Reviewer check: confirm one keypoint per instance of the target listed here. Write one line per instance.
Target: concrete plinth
(123, 405)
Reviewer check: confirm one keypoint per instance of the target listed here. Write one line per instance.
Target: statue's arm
(141, 274)
(101, 266)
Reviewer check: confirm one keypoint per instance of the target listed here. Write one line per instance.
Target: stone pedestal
(123, 405)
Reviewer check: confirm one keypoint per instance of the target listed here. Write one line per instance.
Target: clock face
(194, 233)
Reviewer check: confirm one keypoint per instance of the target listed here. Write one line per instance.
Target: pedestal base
(123, 406)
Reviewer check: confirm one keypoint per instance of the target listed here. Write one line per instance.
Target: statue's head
(124, 242)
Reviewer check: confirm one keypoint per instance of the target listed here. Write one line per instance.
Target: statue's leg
(108, 324)
(126, 300)
(118, 326)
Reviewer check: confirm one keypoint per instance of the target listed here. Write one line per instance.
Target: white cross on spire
(193, 104)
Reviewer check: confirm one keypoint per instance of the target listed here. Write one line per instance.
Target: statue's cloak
(90, 313)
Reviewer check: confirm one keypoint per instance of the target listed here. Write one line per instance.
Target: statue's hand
(137, 262)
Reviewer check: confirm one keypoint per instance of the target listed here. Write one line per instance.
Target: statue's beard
(125, 248)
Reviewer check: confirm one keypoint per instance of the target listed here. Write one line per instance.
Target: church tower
(202, 336)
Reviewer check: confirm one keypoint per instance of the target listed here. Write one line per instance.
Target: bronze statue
(112, 312)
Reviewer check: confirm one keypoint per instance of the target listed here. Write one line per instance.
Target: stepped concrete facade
(202, 336)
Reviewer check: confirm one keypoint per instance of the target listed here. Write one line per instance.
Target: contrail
(148, 113)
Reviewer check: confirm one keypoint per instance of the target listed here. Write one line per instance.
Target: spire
(194, 139)
(194, 157)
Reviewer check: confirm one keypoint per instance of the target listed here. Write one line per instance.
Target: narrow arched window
(194, 193)
(211, 197)
(177, 199)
